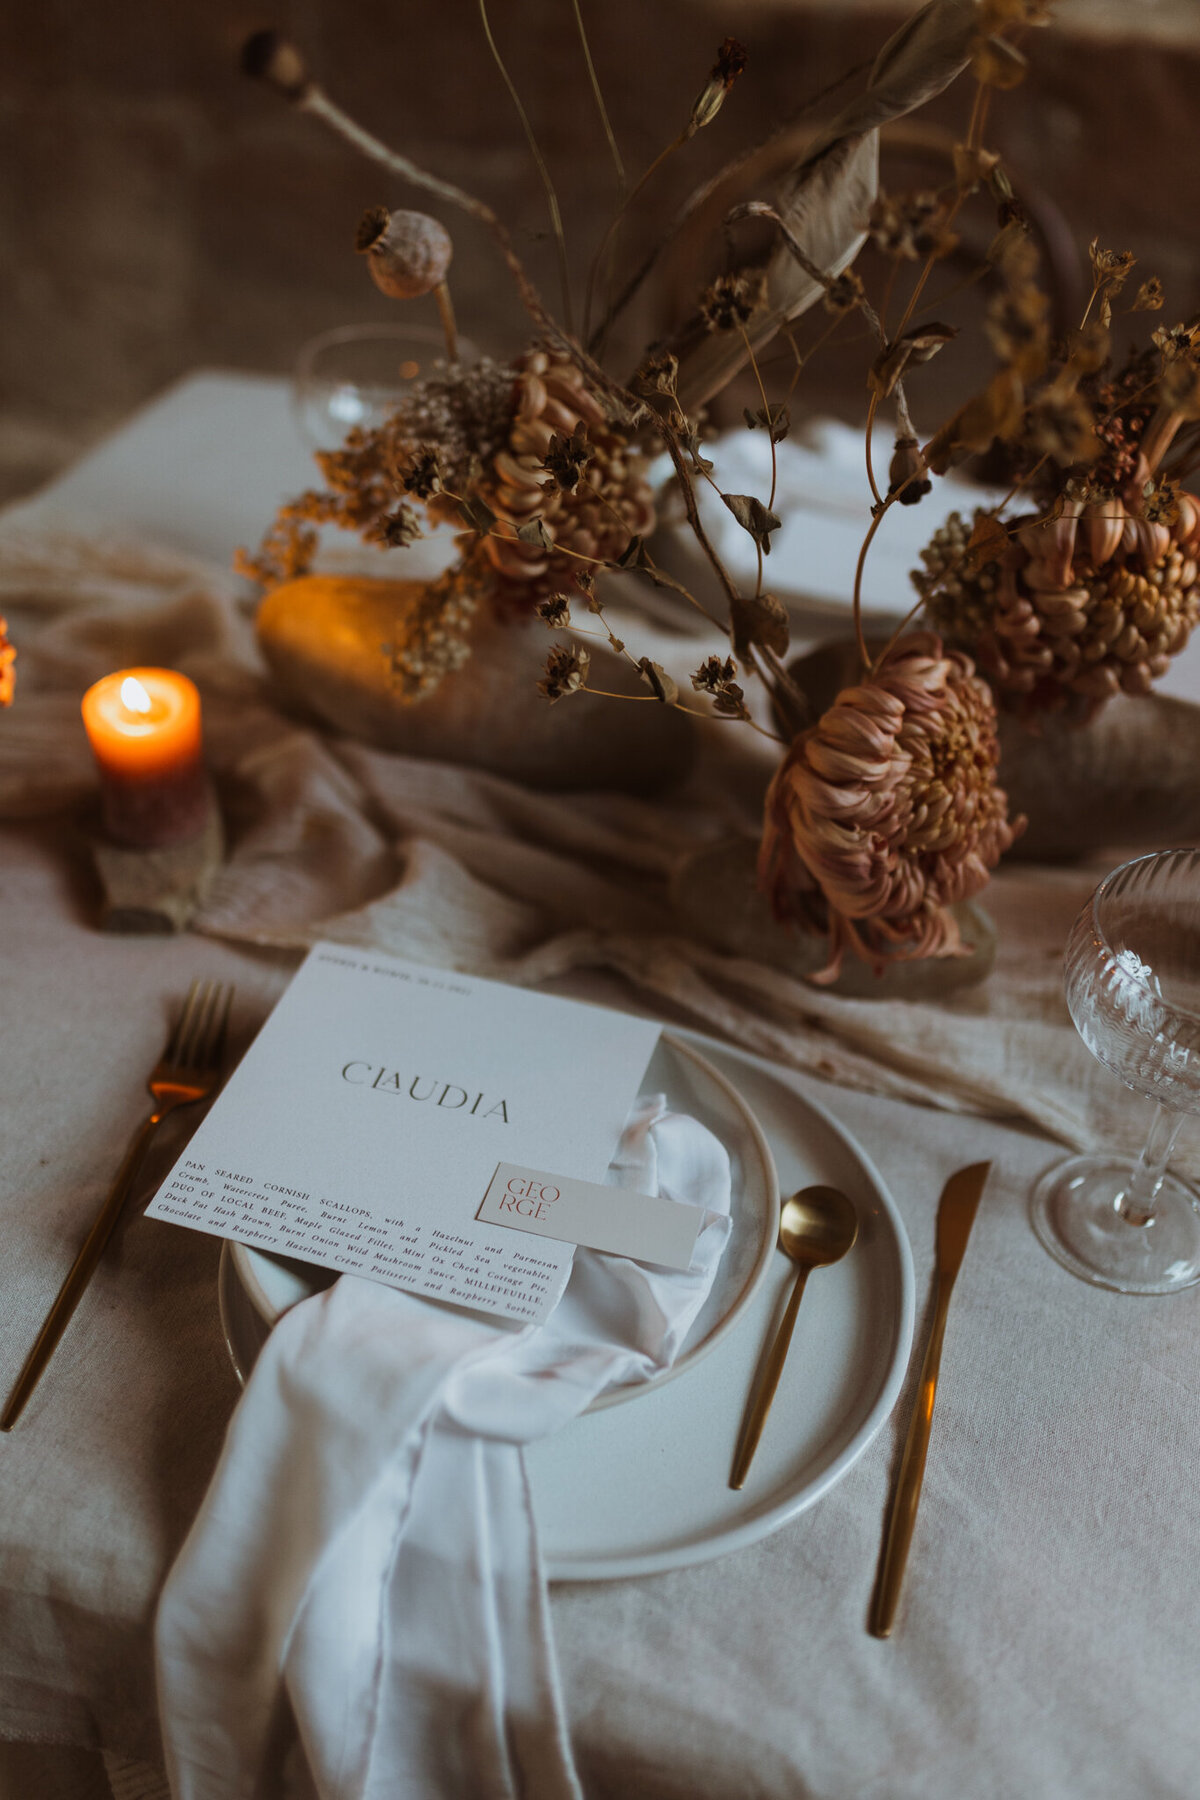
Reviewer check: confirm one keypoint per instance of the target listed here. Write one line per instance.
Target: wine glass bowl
(1132, 982)
(358, 374)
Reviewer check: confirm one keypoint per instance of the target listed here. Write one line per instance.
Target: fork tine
(182, 1024)
(208, 1051)
(193, 1057)
(218, 1049)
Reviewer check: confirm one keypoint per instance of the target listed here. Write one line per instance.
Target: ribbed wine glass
(1132, 979)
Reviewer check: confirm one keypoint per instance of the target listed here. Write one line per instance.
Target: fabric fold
(462, 869)
(367, 1551)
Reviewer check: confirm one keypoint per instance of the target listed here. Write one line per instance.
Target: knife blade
(956, 1215)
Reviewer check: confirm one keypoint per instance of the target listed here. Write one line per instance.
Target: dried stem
(700, 196)
(979, 112)
(441, 294)
(608, 243)
(693, 516)
(598, 96)
(860, 637)
(770, 439)
(556, 224)
(314, 100)
(872, 409)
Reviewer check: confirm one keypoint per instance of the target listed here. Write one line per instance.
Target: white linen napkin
(367, 1551)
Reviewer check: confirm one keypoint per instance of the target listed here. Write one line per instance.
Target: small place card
(369, 1115)
(646, 1227)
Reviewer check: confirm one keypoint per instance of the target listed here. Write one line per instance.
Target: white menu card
(363, 1126)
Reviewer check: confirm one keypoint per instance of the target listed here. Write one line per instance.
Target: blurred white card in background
(824, 502)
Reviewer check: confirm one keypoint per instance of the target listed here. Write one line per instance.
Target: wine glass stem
(1146, 1177)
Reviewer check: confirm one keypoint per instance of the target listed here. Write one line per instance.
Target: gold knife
(956, 1215)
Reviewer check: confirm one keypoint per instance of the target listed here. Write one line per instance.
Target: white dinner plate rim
(762, 1522)
(242, 1262)
(724, 1541)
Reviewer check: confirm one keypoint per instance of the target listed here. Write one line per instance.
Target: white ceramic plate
(692, 1085)
(639, 1489)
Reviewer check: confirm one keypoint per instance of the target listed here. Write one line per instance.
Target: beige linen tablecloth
(1048, 1647)
(1048, 1643)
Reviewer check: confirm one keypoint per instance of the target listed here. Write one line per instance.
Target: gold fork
(186, 1072)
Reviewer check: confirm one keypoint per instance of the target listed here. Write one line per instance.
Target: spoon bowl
(817, 1226)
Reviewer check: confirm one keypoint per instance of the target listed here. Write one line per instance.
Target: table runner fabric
(368, 1546)
(460, 868)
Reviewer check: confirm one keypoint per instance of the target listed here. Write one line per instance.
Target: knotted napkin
(367, 1552)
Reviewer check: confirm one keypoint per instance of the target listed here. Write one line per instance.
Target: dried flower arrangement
(885, 811)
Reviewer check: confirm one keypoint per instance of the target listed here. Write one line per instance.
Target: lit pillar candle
(144, 729)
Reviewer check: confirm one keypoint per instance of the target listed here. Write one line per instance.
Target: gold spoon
(816, 1227)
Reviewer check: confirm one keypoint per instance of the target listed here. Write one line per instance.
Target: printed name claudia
(390, 1081)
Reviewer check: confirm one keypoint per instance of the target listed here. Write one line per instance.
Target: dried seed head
(268, 56)
(908, 478)
(912, 226)
(408, 252)
(731, 60)
(566, 672)
(731, 300)
(555, 611)
(844, 292)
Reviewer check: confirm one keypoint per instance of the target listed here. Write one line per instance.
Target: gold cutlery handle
(903, 1515)
(80, 1273)
(756, 1418)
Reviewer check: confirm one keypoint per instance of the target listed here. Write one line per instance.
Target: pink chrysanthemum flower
(888, 808)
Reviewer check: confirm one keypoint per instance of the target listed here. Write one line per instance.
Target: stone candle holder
(156, 891)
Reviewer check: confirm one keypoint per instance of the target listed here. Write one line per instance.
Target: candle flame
(134, 697)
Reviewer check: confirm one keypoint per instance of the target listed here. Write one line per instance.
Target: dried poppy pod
(408, 254)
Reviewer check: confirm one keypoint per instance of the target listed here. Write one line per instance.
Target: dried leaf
(1149, 297)
(826, 197)
(753, 517)
(971, 166)
(776, 417)
(916, 346)
(760, 620)
(477, 514)
(994, 15)
(658, 681)
(995, 413)
(988, 541)
(534, 532)
(731, 702)
(1088, 347)
(690, 441)
(1179, 387)
(633, 556)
